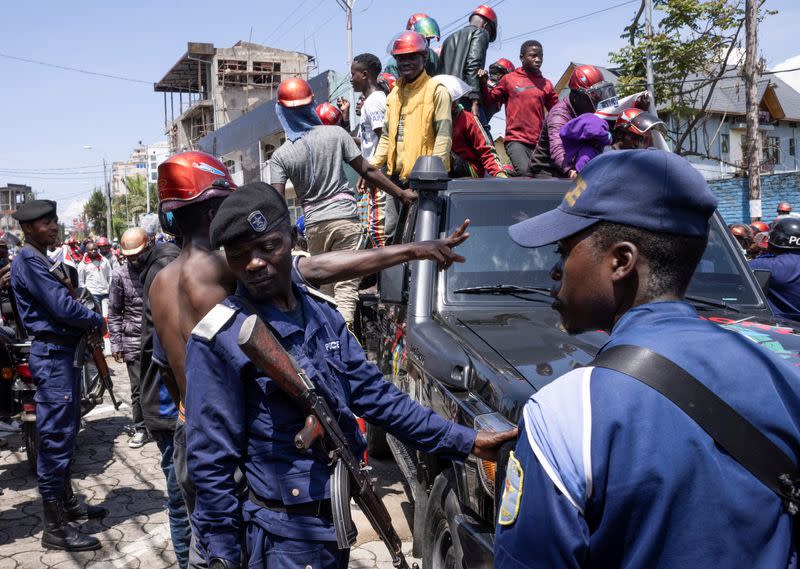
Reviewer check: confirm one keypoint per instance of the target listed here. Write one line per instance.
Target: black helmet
(785, 233)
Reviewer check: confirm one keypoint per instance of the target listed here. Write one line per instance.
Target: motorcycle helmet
(785, 234)
(588, 79)
(408, 42)
(759, 227)
(784, 208)
(102, 242)
(388, 79)
(489, 14)
(329, 114)
(191, 176)
(294, 92)
(501, 66)
(414, 19)
(427, 27)
(639, 122)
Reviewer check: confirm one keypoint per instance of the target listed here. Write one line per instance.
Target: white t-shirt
(372, 114)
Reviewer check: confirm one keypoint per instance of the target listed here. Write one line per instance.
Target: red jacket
(526, 97)
(472, 144)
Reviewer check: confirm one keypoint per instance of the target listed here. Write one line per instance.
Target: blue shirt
(617, 476)
(44, 303)
(784, 283)
(236, 416)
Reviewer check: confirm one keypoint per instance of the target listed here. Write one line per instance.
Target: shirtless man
(191, 188)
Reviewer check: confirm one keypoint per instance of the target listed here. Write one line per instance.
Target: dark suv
(474, 342)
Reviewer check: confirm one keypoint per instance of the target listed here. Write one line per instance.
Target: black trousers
(135, 376)
(520, 154)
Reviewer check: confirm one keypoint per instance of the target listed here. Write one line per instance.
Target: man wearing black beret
(56, 323)
(236, 417)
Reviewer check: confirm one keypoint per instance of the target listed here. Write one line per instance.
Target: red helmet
(408, 42)
(102, 242)
(784, 207)
(71, 241)
(584, 76)
(503, 65)
(294, 92)
(414, 19)
(329, 114)
(389, 79)
(489, 14)
(639, 122)
(759, 227)
(192, 176)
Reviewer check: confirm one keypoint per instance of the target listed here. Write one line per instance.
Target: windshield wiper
(506, 289)
(694, 299)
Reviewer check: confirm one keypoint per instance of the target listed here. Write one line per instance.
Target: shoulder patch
(512, 492)
(213, 322)
(320, 295)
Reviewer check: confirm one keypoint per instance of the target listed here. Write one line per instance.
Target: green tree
(132, 205)
(694, 45)
(95, 211)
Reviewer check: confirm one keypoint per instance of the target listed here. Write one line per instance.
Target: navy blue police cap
(251, 211)
(33, 210)
(651, 189)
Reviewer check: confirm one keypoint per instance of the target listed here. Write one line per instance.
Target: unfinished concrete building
(11, 197)
(209, 87)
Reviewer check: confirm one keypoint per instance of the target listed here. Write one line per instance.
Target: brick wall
(775, 188)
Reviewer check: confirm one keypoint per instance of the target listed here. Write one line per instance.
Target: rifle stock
(258, 344)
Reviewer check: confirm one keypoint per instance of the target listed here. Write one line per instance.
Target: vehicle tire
(441, 548)
(31, 444)
(377, 446)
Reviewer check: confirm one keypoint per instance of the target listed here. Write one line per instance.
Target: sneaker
(10, 427)
(140, 439)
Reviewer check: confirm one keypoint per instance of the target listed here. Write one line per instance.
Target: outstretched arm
(378, 179)
(345, 265)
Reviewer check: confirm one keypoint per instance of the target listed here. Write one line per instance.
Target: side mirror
(762, 278)
(392, 284)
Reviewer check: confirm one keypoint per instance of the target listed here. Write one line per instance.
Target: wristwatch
(218, 563)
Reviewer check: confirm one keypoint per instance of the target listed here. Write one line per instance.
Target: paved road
(129, 482)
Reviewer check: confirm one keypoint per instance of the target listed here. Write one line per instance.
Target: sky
(50, 116)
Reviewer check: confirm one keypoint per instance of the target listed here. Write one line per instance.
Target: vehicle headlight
(487, 469)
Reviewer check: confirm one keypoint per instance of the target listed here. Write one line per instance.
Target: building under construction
(11, 197)
(209, 87)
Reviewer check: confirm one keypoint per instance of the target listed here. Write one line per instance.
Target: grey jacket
(125, 306)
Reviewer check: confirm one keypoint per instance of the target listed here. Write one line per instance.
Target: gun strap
(730, 430)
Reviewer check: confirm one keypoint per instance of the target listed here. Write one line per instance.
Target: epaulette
(316, 293)
(213, 322)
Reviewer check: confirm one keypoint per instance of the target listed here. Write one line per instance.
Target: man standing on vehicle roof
(782, 259)
(312, 158)
(236, 417)
(607, 471)
(56, 323)
(463, 53)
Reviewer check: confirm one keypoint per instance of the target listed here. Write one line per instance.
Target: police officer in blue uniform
(782, 259)
(607, 471)
(236, 417)
(55, 322)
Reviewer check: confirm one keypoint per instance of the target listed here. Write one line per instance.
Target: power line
(314, 29)
(286, 19)
(50, 169)
(570, 20)
(293, 26)
(75, 69)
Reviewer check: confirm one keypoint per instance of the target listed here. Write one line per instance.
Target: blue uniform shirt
(784, 284)
(614, 475)
(44, 303)
(237, 417)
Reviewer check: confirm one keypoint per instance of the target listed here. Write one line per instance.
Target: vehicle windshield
(492, 258)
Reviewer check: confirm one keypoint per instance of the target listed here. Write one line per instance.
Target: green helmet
(427, 27)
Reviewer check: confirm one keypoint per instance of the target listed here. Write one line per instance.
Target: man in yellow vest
(417, 121)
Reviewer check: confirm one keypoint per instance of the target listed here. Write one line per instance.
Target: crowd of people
(238, 491)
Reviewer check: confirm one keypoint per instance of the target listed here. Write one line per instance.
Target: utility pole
(109, 227)
(648, 27)
(347, 6)
(751, 74)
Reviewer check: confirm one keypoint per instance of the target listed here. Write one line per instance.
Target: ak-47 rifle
(258, 343)
(92, 339)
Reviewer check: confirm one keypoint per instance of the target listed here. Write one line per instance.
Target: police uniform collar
(278, 320)
(644, 314)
